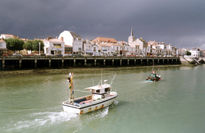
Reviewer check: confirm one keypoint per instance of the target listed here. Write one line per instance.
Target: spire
(131, 33)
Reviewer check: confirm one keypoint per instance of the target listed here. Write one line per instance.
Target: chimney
(62, 39)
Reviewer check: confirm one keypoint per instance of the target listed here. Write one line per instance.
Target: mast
(71, 88)
(101, 78)
(153, 65)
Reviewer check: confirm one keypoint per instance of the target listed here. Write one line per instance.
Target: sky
(178, 22)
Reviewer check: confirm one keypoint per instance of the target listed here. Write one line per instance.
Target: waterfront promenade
(34, 62)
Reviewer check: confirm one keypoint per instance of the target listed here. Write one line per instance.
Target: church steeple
(131, 33)
(131, 38)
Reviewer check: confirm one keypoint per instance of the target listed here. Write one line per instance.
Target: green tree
(35, 45)
(14, 44)
(28, 45)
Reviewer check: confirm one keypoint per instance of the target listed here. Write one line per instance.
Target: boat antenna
(113, 78)
(93, 82)
(153, 65)
(101, 78)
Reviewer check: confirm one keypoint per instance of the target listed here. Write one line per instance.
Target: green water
(32, 103)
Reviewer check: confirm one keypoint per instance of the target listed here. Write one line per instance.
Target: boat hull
(90, 107)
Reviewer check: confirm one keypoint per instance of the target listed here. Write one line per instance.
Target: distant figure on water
(154, 76)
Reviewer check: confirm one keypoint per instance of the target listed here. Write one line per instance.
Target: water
(32, 103)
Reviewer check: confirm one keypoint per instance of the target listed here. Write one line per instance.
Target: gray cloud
(177, 22)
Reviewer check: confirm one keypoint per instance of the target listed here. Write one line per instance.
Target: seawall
(38, 62)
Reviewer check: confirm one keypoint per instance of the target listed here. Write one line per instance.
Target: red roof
(104, 39)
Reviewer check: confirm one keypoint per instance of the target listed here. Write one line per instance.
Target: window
(57, 45)
(107, 89)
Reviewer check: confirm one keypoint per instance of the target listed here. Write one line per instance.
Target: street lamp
(39, 47)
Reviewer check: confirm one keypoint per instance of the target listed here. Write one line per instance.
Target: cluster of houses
(70, 43)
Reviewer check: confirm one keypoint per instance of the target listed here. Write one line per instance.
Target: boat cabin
(100, 91)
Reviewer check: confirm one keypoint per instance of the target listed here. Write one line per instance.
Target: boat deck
(86, 100)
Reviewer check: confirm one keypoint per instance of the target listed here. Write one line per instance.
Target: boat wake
(54, 117)
(147, 81)
(98, 114)
(43, 119)
(104, 112)
(115, 102)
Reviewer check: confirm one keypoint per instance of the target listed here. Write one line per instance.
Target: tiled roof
(105, 45)
(55, 40)
(117, 44)
(75, 35)
(9, 35)
(104, 39)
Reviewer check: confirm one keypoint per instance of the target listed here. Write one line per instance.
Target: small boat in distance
(101, 96)
(154, 76)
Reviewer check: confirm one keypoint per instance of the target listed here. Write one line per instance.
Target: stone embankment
(36, 62)
(186, 60)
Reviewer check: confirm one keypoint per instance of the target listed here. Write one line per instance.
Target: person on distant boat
(153, 76)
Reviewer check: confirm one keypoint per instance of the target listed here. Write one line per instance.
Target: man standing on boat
(70, 80)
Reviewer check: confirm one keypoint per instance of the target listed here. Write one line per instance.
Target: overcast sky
(179, 22)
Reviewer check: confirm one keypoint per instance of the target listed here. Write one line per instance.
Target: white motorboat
(101, 96)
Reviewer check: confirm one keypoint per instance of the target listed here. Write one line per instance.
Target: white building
(195, 53)
(96, 50)
(78, 46)
(54, 46)
(181, 51)
(87, 48)
(126, 49)
(73, 40)
(174, 51)
(69, 37)
(152, 48)
(138, 46)
(90, 48)
(116, 49)
(170, 50)
(105, 49)
(7, 36)
(161, 49)
(2, 46)
(107, 46)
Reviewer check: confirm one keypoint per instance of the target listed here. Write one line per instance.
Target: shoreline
(91, 69)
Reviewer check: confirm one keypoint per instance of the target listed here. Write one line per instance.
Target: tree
(35, 45)
(28, 45)
(14, 44)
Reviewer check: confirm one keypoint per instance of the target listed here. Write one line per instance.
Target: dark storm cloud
(177, 22)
